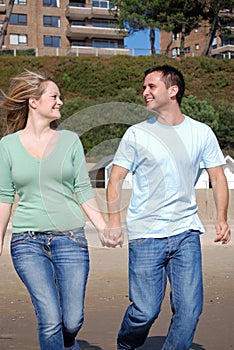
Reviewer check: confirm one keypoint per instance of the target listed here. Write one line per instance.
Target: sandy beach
(107, 298)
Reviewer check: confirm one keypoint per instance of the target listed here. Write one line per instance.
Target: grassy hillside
(87, 81)
(93, 77)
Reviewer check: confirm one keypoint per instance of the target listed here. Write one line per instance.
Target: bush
(87, 81)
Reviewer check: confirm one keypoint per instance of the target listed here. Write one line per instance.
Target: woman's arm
(5, 213)
(93, 212)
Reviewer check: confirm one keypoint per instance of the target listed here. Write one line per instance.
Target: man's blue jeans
(54, 268)
(151, 261)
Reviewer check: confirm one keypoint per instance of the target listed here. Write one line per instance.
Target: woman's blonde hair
(21, 88)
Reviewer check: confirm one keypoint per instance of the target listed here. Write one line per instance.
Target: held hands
(111, 236)
(223, 232)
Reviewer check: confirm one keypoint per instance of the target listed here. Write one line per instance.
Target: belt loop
(31, 234)
(71, 234)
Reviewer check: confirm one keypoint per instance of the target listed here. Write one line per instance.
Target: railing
(72, 51)
(225, 55)
(96, 51)
(83, 48)
(104, 4)
(104, 45)
(17, 52)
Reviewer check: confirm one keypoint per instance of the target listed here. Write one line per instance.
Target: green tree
(201, 110)
(219, 117)
(217, 12)
(136, 15)
(178, 16)
(225, 131)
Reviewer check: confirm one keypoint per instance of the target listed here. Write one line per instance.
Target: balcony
(81, 11)
(226, 51)
(96, 51)
(2, 7)
(89, 32)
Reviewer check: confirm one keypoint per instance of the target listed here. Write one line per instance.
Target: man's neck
(170, 117)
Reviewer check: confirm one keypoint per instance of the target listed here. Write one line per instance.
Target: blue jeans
(54, 268)
(151, 261)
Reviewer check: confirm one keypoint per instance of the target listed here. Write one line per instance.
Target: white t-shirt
(166, 162)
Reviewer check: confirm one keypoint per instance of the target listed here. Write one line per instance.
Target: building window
(187, 49)
(78, 43)
(197, 47)
(196, 29)
(51, 21)
(109, 44)
(175, 52)
(175, 36)
(78, 23)
(104, 23)
(102, 4)
(78, 3)
(18, 39)
(20, 2)
(51, 3)
(227, 41)
(52, 41)
(214, 43)
(19, 19)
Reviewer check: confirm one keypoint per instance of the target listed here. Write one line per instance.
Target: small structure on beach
(229, 171)
(100, 173)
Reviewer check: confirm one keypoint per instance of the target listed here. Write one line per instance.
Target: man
(165, 155)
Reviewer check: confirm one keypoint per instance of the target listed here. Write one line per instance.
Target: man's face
(155, 93)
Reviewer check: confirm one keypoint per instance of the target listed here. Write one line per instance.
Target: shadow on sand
(152, 343)
(156, 343)
(84, 345)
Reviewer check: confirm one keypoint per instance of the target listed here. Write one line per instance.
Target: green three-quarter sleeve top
(49, 189)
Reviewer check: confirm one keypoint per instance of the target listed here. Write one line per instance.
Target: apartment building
(61, 27)
(195, 41)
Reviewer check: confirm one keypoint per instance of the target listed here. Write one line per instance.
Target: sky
(139, 42)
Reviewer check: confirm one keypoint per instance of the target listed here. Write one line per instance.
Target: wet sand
(107, 299)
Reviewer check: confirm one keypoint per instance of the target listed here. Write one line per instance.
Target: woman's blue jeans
(151, 261)
(54, 269)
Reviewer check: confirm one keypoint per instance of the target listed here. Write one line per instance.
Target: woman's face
(49, 104)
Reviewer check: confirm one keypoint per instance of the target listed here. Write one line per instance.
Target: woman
(46, 168)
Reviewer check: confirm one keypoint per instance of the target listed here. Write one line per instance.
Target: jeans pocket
(78, 236)
(138, 242)
(18, 238)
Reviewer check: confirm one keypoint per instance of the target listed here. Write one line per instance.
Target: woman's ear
(32, 102)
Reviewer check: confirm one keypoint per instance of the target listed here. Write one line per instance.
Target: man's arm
(221, 197)
(5, 212)
(113, 232)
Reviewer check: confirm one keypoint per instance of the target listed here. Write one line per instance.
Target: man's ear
(32, 102)
(173, 90)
